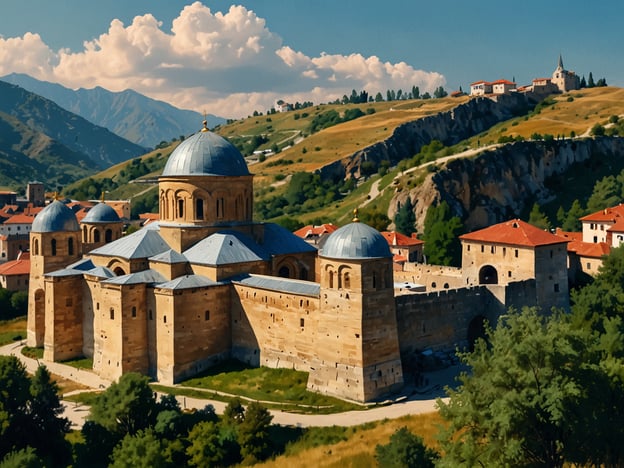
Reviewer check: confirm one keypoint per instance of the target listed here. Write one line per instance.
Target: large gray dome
(206, 153)
(356, 241)
(101, 213)
(55, 217)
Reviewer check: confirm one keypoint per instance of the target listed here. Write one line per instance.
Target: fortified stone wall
(432, 276)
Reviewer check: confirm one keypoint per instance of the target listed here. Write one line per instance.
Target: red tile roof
(606, 215)
(479, 82)
(589, 249)
(618, 226)
(507, 82)
(514, 232)
(310, 230)
(571, 236)
(396, 239)
(20, 219)
(15, 267)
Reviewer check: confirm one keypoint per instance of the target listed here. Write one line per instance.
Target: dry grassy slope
(359, 449)
(336, 142)
(587, 108)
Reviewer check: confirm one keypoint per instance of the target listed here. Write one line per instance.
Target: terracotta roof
(20, 219)
(507, 82)
(150, 216)
(479, 82)
(571, 236)
(618, 226)
(310, 230)
(589, 249)
(606, 215)
(396, 238)
(399, 258)
(541, 79)
(15, 267)
(514, 232)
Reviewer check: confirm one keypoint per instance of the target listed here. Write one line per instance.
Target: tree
(571, 220)
(375, 218)
(142, 450)
(519, 404)
(583, 83)
(441, 235)
(127, 406)
(405, 450)
(253, 433)
(405, 219)
(47, 428)
(439, 92)
(538, 218)
(590, 81)
(207, 446)
(24, 458)
(607, 192)
(14, 392)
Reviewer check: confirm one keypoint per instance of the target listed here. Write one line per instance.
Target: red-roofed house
(480, 88)
(14, 274)
(583, 257)
(404, 248)
(514, 251)
(597, 225)
(502, 86)
(17, 224)
(315, 234)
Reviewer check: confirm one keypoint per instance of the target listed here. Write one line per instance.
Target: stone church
(207, 283)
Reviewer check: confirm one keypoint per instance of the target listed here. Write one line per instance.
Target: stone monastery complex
(206, 283)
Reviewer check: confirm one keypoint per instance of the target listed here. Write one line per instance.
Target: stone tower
(54, 244)
(102, 225)
(565, 80)
(35, 193)
(204, 187)
(358, 345)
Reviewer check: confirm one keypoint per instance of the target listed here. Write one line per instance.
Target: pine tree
(405, 219)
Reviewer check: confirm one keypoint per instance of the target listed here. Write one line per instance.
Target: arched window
(199, 208)
(70, 246)
(36, 247)
(374, 279)
(284, 272)
(180, 208)
(108, 235)
(53, 245)
(346, 282)
(96, 235)
(331, 279)
(84, 233)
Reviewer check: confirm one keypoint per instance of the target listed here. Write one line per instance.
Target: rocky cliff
(449, 127)
(500, 184)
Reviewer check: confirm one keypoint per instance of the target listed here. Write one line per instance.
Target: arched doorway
(284, 272)
(488, 275)
(476, 330)
(119, 271)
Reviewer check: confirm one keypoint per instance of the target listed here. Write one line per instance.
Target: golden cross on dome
(205, 122)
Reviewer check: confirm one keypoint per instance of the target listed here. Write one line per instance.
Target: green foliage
(290, 223)
(30, 413)
(142, 450)
(126, 407)
(13, 304)
(210, 446)
(331, 117)
(607, 192)
(405, 219)
(538, 218)
(374, 218)
(145, 203)
(441, 235)
(570, 221)
(253, 434)
(597, 130)
(405, 450)
(24, 458)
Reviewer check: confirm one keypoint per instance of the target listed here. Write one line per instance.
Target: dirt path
(417, 401)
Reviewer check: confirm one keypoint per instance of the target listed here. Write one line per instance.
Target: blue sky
(232, 62)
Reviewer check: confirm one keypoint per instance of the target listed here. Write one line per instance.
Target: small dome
(101, 213)
(206, 153)
(356, 240)
(55, 217)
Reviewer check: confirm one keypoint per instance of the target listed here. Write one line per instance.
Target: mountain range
(131, 115)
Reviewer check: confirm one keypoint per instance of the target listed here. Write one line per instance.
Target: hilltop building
(565, 80)
(206, 283)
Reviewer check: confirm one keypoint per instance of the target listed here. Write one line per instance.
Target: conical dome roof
(56, 217)
(206, 153)
(356, 241)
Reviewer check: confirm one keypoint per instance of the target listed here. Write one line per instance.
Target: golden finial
(57, 196)
(102, 197)
(205, 122)
(355, 216)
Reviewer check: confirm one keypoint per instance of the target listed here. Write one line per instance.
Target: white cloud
(228, 64)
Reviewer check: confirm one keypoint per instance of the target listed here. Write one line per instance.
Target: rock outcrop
(502, 183)
(451, 127)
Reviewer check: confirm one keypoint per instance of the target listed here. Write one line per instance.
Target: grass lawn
(284, 387)
(12, 330)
